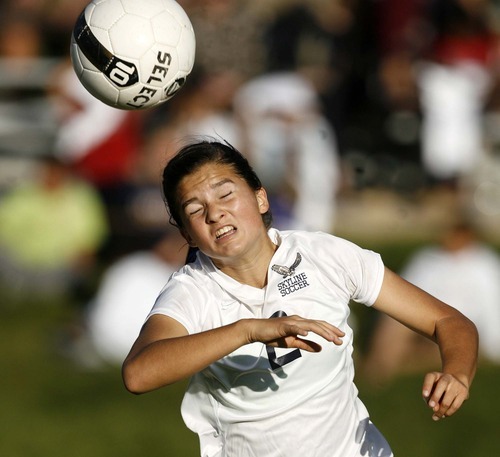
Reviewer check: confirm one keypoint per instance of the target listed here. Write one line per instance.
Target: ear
(262, 200)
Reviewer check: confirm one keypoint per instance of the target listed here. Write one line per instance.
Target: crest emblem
(287, 271)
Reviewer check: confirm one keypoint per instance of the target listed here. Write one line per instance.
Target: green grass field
(50, 407)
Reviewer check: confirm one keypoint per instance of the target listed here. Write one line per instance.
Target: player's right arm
(165, 353)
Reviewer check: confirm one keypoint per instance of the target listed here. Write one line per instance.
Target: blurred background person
(461, 270)
(135, 207)
(456, 76)
(328, 42)
(26, 125)
(97, 141)
(51, 230)
(111, 321)
(293, 147)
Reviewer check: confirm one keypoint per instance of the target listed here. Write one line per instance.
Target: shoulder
(337, 262)
(187, 296)
(192, 281)
(329, 252)
(322, 241)
(192, 275)
(300, 236)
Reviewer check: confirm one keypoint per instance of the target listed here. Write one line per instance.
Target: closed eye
(191, 210)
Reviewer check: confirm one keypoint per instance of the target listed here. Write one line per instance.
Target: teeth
(223, 231)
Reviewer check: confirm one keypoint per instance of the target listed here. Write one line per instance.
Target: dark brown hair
(190, 158)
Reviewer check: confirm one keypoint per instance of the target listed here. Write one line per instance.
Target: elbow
(137, 379)
(132, 388)
(458, 323)
(132, 379)
(474, 331)
(470, 327)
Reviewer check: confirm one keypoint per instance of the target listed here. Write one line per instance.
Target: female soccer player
(259, 323)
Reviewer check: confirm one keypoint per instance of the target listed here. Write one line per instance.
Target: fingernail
(432, 404)
(425, 393)
(435, 418)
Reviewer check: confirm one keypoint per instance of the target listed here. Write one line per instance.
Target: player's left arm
(456, 336)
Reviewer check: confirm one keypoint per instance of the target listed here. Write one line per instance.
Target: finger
(296, 329)
(442, 412)
(454, 407)
(428, 386)
(306, 345)
(335, 332)
(330, 328)
(452, 400)
(299, 326)
(437, 394)
(435, 399)
(327, 331)
(295, 342)
(302, 327)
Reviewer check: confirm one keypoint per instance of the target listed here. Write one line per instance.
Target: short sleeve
(368, 274)
(182, 302)
(359, 271)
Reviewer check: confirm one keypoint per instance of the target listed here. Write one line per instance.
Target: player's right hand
(291, 332)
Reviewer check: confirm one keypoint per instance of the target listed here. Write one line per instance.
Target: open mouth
(224, 231)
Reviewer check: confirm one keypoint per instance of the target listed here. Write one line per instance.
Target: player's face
(221, 214)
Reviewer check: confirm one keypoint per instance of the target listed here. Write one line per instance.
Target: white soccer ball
(133, 54)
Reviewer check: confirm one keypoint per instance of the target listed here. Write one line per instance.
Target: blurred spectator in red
(402, 27)
(135, 206)
(99, 142)
(455, 78)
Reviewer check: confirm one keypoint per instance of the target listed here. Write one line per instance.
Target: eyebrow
(212, 186)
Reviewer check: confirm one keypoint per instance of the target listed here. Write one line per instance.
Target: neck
(253, 269)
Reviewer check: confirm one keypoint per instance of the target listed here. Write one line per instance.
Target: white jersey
(264, 402)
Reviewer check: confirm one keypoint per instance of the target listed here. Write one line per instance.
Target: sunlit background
(374, 120)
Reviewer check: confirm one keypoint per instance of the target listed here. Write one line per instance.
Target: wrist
(462, 377)
(243, 331)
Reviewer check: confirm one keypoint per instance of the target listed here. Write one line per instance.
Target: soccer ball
(133, 54)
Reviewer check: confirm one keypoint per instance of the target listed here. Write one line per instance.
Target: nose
(214, 214)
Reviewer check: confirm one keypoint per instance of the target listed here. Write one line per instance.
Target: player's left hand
(444, 393)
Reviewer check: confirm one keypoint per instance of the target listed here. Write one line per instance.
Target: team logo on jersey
(287, 271)
(291, 282)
